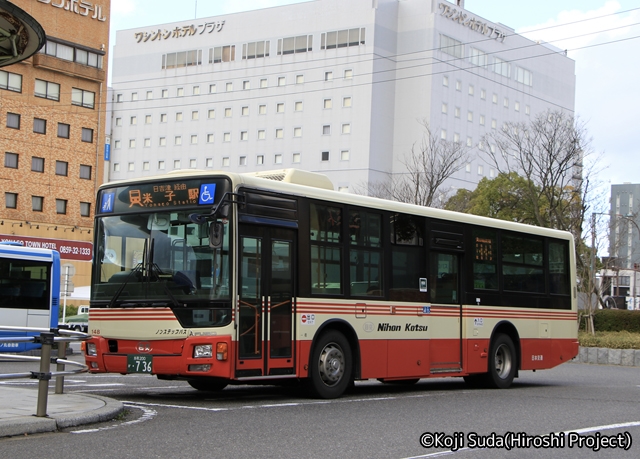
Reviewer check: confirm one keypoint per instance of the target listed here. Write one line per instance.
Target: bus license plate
(139, 363)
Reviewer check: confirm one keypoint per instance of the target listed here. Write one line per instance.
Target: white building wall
(397, 80)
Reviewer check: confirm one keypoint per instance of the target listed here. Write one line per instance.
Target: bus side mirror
(216, 231)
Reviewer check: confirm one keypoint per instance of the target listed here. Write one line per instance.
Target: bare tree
(431, 162)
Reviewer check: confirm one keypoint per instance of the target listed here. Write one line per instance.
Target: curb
(606, 356)
(110, 410)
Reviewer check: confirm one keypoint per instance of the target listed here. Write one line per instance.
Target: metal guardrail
(47, 339)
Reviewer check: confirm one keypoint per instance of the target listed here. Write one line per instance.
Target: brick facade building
(52, 120)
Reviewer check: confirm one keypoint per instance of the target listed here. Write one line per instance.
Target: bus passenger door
(266, 307)
(446, 309)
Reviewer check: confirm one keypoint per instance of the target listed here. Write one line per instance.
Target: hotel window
(176, 164)
(212, 88)
(193, 163)
(209, 162)
(344, 155)
(62, 168)
(277, 158)
(246, 85)
(195, 115)
(182, 59)
(291, 45)
(210, 138)
(480, 170)
(40, 126)
(262, 109)
(244, 135)
(516, 106)
(149, 95)
(298, 106)
(342, 38)
(160, 165)
(226, 137)
(119, 98)
(227, 112)
(326, 129)
(494, 124)
(456, 137)
(37, 164)
(116, 144)
(118, 121)
(13, 81)
(63, 130)
(165, 93)
(527, 110)
(134, 96)
(494, 98)
(11, 160)
(481, 120)
(348, 74)
(458, 85)
(255, 49)
(194, 139)
(297, 132)
(443, 134)
(177, 140)
(37, 203)
(506, 102)
(501, 67)
(346, 128)
(162, 141)
(147, 119)
(133, 120)
(346, 102)
(263, 83)
(116, 167)
(470, 116)
(260, 159)
(87, 135)
(295, 158)
(471, 90)
(85, 172)
(456, 112)
(279, 133)
(483, 94)
(163, 117)
(324, 156)
(46, 89)
(467, 168)
(222, 54)
(178, 116)
(180, 92)
(195, 90)
(211, 113)
(299, 79)
(85, 209)
(282, 81)
(72, 53)
(242, 161)
(478, 57)
(280, 108)
(328, 76)
(82, 98)
(145, 166)
(445, 80)
(61, 206)
(244, 111)
(225, 161)
(262, 134)
(228, 87)
(13, 121)
(451, 46)
(327, 103)
(524, 76)
(444, 108)
(469, 142)
(132, 143)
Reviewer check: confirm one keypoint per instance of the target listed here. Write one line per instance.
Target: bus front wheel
(502, 362)
(331, 366)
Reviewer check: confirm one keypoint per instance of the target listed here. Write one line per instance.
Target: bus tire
(502, 362)
(207, 385)
(331, 366)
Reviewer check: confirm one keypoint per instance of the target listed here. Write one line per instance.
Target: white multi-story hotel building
(332, 86)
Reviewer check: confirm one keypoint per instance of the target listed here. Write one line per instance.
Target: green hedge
(615, 320)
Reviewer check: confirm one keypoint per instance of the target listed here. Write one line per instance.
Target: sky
(602, 36)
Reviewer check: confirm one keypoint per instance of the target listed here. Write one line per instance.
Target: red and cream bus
(221, 278)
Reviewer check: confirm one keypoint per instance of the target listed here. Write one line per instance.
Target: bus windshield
(160, 259)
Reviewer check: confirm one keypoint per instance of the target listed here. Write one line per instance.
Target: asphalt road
(169, 419)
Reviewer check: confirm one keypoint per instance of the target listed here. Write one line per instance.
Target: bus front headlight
(92, 350)
(203, 351)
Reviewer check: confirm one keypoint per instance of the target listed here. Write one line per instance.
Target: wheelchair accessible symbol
(207, 193)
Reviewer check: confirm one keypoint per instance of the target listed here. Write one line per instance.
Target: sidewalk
(18, 408)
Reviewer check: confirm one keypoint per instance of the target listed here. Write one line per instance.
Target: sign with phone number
(69, 250)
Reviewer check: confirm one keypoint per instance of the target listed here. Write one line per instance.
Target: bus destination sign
(183, 193)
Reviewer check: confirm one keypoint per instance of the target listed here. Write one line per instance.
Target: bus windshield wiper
(138, 269)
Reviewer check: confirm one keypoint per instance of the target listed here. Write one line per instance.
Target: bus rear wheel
(502, 362)
(331, 366)
(207, 385)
